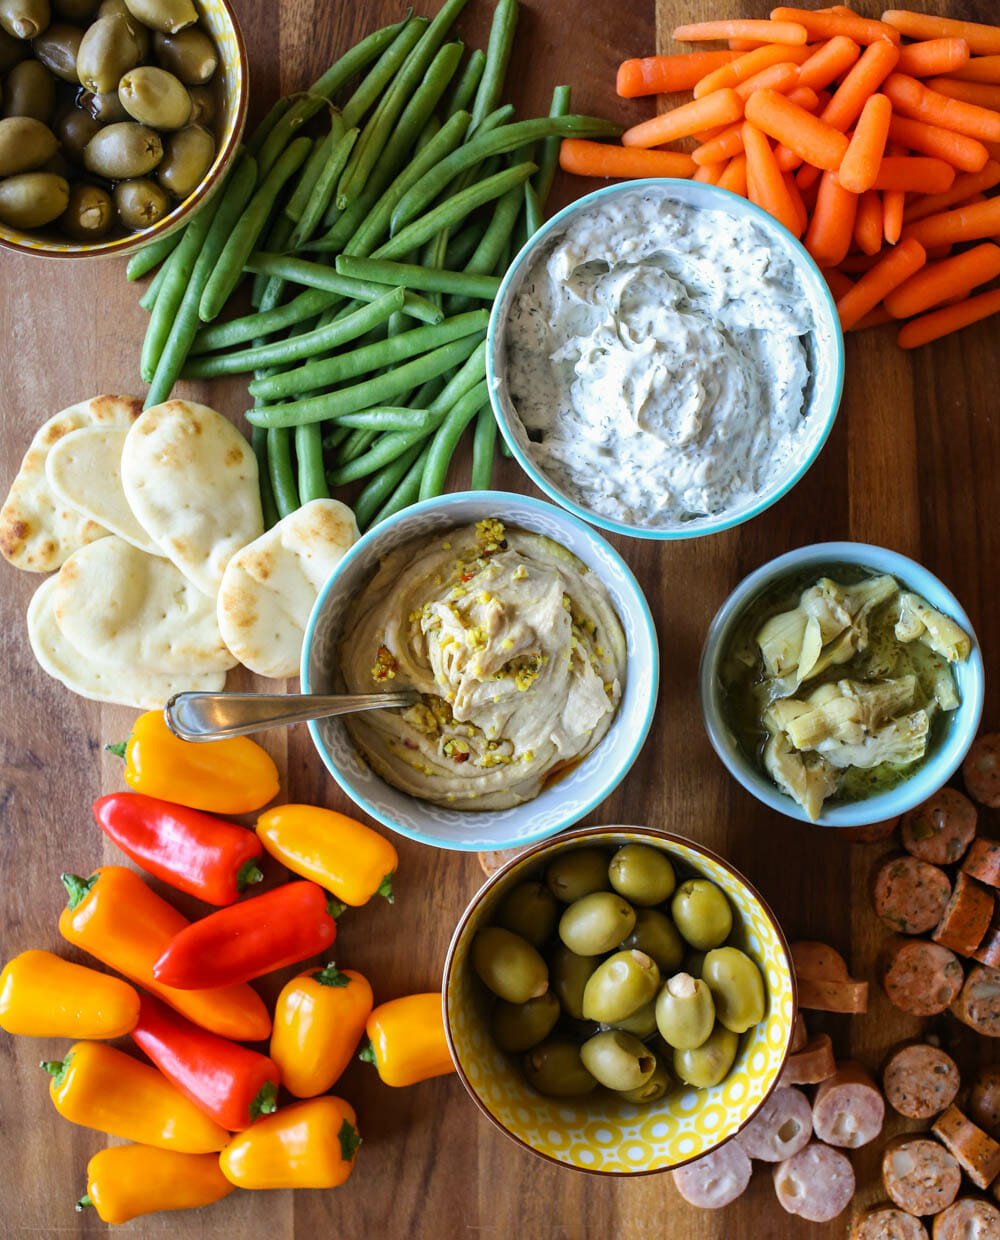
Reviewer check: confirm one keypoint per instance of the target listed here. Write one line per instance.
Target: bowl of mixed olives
(117, 118)
(619, 1000)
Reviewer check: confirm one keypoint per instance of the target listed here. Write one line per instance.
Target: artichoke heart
(807, 778)
(780, 642)
(918, 621)
(897, 743)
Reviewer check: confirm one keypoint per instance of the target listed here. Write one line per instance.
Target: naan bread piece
(84, 471)
(116, 604)
(92, 678)
(269, 587)
(38, 530)
(191, 479)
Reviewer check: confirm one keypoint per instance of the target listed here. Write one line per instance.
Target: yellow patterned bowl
(600, 1132)
(220, 21)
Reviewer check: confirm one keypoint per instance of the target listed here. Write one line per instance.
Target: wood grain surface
(913, 464)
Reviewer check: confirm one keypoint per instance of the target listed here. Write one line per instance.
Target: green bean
(266, 323)
(389, 418)
(534, 216)
(483, 445)
(406, 492)
(266, 291)
(548, 161)
(427, 392)
(381, 486)
(267, 124)
(309, 173)
(462, 245)
(258, 441)
(446, 439)
(498, 230)
(279, 461)
(498, 51)
(333, 439)
(371, 391)
(429, 131)
(409, 275)
(144, 260)
(358, 443)
(323, 190)
(505, 449)
(383, 71)
(465, 86)
(388, 449)
(322, 372)
(462, 381)
(309, 458)
(148, 299)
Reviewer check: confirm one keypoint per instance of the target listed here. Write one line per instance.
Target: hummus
(515, 648)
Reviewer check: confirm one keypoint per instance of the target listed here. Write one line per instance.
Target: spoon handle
(215, 716)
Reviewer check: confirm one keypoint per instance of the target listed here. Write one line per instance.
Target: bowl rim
(185, 209)
(487, 499)
(582, 833)
(712, 525)
(927, 778)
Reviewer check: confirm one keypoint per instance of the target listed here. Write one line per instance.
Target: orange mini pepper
(125, 1181)
(340, 853)
(232, 776)
(307, 1145)
(318, 1021)
(407, 1041)
(114, 916)
(44, 996)
(99, 1087)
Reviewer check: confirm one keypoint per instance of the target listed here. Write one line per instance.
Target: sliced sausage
(873, 833)
(817, 1183)
(982, 861)
(920, 1081)
(832, 996)
(988, 951)
(966, 917)
(941, 829)
(818, 961)
(781, 1127)
(981, 770)
(910, 894)
(848, 1109)
(812, 1064)
(974, 1150)
(920, 1175)
(888, 1223)
(715, 1180)
(800, 1035)
(978, 1004)
(922, 978)
(968, 1219)
(984, 1101)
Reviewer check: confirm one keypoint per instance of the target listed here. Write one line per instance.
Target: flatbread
(101, 682)
(117, 604)
(38, 531)
(191, 479)
(269, 587)
(84, 470)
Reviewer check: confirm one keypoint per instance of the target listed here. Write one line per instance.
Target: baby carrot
(893, 204)
(831, 228)
(963, 187)
(964, 153)
(722, 107)
(801, 214)
(949, 319)
(982, 39)
(969, 92)
(868, 222)
(858, 264)
(876, 63)
(664, 75)
(709, 173)
(734, 176)
(874, 318)
(875, 285)
(838, 283)
(778, 77)
(603, 159)
(979, 69)
(934, 56)
(736, 71)
(817, 142)
(973, 223)
(913, 98)
(938, 282)
(764, 180)
(767, 32)
(807, 176)
(728, 144)
(914, 174)
(824, 25)
(829, 62)
(806, 98)
(860, 166)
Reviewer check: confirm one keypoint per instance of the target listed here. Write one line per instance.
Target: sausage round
(813, 1063)
(910, 894)
(984, 1101)
(981, 770)
(988, 951)
(941, 829)
(888, 1223)
(974, 1150)
(781, 1127)
(800, 1035)
(982, 861)
(715, 1180)
(966, 917)
(922, 978)
(978, 1004)
(969, 1218)
(873, 833)
(848, 1109)
(920, 1081)
(920, 1175)
(817, 1183)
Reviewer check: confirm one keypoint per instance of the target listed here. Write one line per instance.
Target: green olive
(204, 105)
(577, 873)
(570, 974)
(189, 55)
(617, 1060)
(168, 16)
(509, 965)
(106, 109)
(30, 90)
(25, 144)
(655, 934)
(620, 986)
(642, 874)
(596, 923)
(709, 1063)
(108, 49)
(74, 129)
(116, 8)
(123, 150)
(701, 913)
(75, 10)
(737, 988)
(11, 50)
(89, 213)
(642, 1022)
(140, 203)
(518, 1027)
(155, 97)
(530, 910)
(24, 19)
(32, 199)
(653, 1089)
(555, 1068)
(57, 49)
(188, 156)
(685, 1012)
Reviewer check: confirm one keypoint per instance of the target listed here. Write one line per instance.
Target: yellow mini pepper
(318, 1021)
(307, 1145)
(407, 1042)
(125, 1181)
(100, 1087)
(339, 853)
(221, 777)
(44, 996)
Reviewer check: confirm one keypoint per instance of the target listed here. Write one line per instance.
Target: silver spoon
(214, 716)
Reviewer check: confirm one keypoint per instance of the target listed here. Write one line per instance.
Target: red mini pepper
(192, 851)
(250, 939)
(231, 1083)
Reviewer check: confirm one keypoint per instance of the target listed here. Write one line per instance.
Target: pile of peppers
(206, 1114)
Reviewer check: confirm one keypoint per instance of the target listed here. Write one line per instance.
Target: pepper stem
(385, 888)
(56, 1068)
(330, 975)
(249, 872)
(368, 1054)
(77, 888)
(266, 1101)
(349, 1139)
(335, 907)
(84, 1203)
(118, 750)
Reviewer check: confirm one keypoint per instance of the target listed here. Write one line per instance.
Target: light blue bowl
(826, 344)
(943, 761)
(565, 801)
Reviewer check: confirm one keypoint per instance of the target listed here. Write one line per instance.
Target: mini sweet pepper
(44, 996)
(125, 1181)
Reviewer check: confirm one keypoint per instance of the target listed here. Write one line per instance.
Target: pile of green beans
(376, 231)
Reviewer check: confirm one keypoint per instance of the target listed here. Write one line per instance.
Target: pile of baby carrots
(877, 152)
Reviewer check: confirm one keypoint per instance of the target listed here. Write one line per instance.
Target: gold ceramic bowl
(600, 1132)
(220, 21)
